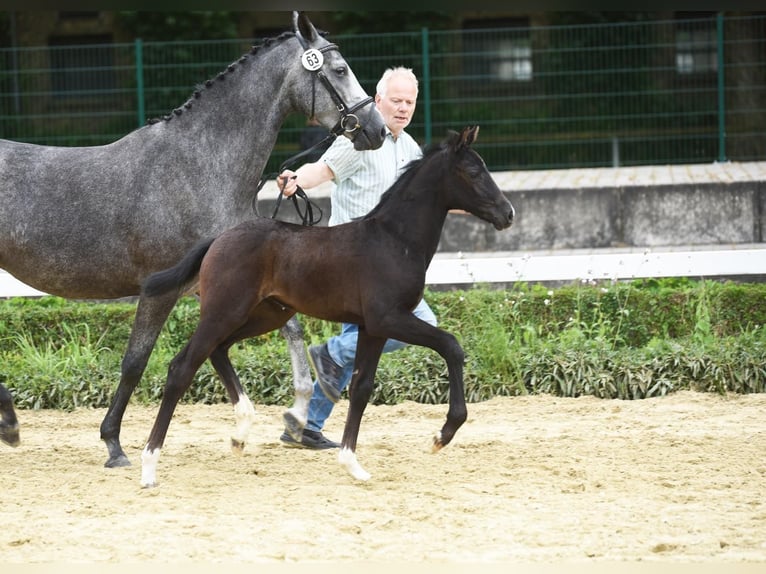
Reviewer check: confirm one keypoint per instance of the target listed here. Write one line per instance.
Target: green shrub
(625, 340)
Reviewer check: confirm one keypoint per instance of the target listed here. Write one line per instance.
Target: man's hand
(286, 181)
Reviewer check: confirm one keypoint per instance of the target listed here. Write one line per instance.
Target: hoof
(293, 426)
(117, 461)
(149, 485)
(10, 435)
(237, 446)
(438, 445)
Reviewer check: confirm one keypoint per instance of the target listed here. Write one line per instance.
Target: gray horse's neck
(229, 126)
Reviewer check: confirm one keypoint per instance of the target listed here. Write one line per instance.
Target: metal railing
(653, 92)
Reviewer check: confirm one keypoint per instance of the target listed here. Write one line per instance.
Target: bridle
(312, 60)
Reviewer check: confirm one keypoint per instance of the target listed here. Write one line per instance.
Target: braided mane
(221, 76)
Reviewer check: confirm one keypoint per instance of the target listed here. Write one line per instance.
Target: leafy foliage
(177, 26)
(624, 340)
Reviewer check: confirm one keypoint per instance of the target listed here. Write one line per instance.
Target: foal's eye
(474, 170)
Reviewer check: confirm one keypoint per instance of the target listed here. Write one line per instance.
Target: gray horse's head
(335, 97)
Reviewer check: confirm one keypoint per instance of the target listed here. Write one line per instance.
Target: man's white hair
(391, 72)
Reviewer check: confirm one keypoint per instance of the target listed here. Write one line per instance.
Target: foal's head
(470, 186)
(458, 174)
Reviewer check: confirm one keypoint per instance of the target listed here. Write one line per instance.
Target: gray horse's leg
(296, 416)
(151, 315)
(9, 425)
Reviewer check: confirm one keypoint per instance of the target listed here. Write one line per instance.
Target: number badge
(312, 59)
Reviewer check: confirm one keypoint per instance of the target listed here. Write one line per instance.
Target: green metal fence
(654, 92)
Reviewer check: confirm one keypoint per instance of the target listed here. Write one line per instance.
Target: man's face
(398, 105)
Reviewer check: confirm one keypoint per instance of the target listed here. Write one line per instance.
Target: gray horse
(9, 425)
(93, 222)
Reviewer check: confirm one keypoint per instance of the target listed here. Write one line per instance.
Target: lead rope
(306, 215)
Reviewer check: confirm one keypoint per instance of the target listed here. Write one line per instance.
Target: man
(360, 179)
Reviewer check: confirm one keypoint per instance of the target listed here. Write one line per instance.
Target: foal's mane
(403, 181)
(221, 76)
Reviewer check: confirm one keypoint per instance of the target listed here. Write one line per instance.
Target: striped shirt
(361, 177)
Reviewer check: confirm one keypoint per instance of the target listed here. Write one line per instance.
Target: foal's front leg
(368, 350)
(407, 328)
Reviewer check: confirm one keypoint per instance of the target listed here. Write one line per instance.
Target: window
(81, 65)
(498, 50)
(696, 50)
(513, 60)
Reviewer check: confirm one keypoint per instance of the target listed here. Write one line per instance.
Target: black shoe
(328, 372)
(311, 439)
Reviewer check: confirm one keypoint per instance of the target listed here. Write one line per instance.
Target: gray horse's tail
(180, 275)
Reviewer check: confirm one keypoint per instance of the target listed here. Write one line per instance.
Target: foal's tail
(180, 275)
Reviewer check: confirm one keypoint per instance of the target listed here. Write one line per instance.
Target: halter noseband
(349, 121)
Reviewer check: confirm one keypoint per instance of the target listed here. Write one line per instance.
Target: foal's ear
(302, 26)
(469, 135)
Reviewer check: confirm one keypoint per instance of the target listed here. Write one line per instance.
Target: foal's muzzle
(505, 220)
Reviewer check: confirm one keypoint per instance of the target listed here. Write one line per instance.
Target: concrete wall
(640, 216)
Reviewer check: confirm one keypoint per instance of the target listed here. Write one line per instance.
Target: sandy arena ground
(532, 480)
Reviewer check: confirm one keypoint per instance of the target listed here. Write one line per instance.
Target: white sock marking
(347, 459)
(244, 413)
(149, 461)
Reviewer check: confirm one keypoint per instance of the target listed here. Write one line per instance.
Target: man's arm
(308, 176)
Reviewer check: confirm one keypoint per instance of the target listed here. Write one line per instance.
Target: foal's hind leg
(150, 317)
(219, 328)
(181, 372)
(244, 412)
(266, 317)
(296, 416)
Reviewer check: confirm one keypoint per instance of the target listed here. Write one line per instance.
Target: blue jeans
(342, 349)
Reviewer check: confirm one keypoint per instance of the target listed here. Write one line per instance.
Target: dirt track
(527, 480)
